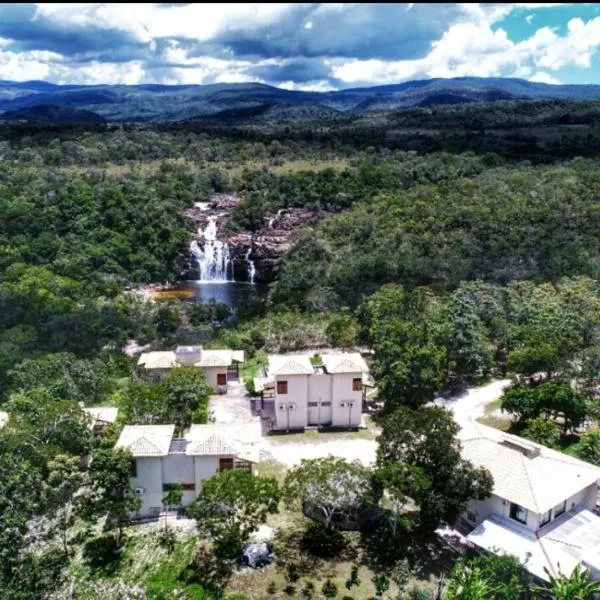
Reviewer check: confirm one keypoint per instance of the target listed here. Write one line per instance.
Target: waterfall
(272, 220)
(250, 264)
(213, 259)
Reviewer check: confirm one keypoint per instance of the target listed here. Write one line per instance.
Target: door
(225, 463)
(221, 379)
(326, 413)
(313, 413)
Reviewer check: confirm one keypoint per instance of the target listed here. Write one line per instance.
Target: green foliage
(354, 579)
(381, 582)
(323, 540)
(543, 431)
(231, 505)
(576, 586)
(329, 589)
(589, 446)
(444, 482)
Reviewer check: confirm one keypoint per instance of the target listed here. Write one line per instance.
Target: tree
(143, 403)
(576, 586)
(543, 431)
(505, 574)
(328, 488)
(589, 446)
(166, 320)
(110, 493)
(186, 396)
(64, 479)
(231, 505)
(425, 439)
(342, 330)
(521, 401)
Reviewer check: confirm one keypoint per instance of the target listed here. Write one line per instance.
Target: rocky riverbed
(266, 246)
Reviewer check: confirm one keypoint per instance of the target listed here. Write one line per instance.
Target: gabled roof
(293, 364)
(146, 440)
(214, 358)
(347, 362)
(215, 440)
(526, 473)
(107, 414)
(157, 360)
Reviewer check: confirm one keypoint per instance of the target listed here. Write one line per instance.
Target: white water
(250, 263)
(272, 220)
(202, 205)
(213, 258)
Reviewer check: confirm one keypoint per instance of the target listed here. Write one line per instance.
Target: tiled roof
(146, 440)
(293, 364)
(214, 358)
(535, 477)
(215, 440)
(157, 360)
(348, 362)
(108, 414)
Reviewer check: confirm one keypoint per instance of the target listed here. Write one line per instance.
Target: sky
(317, 47)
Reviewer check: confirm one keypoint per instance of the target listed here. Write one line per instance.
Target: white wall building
(219, 366)
(329, 394)
(541, 505)
(161, 461)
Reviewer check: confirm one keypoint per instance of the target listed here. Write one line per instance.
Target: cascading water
(213, 259)
(250, 265)
(274, 219)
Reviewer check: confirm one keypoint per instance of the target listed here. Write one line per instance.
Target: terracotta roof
(526, 473)
(293, 364)
(347, 362)
(146, 440)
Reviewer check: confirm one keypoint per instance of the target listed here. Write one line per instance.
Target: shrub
(308, 590)
(354, 579)
(322, 540)
(329, 589)
(418, 593)
(289, 589)
(272, 588)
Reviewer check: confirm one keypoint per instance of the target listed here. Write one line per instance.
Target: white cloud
(542, 77)
(321, 85)
(529, 18)
(475, 49)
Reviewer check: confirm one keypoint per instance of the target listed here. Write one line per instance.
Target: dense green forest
(457, 243)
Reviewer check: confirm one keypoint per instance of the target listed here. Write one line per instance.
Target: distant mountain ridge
(260, 102)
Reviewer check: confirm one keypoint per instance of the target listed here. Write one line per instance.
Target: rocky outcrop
(267, 245)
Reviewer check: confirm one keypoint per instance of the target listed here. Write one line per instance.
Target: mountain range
(44, 101)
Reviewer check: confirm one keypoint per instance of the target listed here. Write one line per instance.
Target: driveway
(233, 410)
(471, 405)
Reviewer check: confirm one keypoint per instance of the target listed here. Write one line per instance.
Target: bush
(308, 590)
(354, 579)
(272, 588)
(329, 589)
(417, 593)
(322, 540)
(101, 551)
(289, 589)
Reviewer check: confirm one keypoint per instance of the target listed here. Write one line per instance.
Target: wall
(204, 468)
(211, 375)
(319, 391)
(179, 468)
(297, 393)
(149, 477)
(342, 390)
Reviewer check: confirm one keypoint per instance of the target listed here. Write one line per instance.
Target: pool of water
(232, 293)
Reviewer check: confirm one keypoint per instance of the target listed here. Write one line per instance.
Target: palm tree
(577, 586)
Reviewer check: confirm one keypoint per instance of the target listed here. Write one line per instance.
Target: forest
(459, 244)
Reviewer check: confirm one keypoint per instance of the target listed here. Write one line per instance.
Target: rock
(256, 554)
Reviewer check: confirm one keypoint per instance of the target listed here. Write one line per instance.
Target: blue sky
(298, 46)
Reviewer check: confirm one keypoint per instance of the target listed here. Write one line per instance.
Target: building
(161, 460)
(219, 366)
(541, 505)
(101, 417)
(297, 394)
(3, 418)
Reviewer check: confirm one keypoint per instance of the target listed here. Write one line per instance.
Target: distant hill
(255, 102)
(48, 113)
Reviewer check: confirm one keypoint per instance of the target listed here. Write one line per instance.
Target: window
(357, 384)
(167, 487)
(221, 379)
(282, 387)
(133, 468)
(313, 404)
(545, 518)
(225, 463)
(518, 513)
(325, 403)
(560, 509)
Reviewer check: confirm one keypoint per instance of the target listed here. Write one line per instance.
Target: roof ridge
(526, 465)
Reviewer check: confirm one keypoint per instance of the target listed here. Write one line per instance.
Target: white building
(303, 394)
(219, 366)
(541, 505)
(161, 461)
(101, 417)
